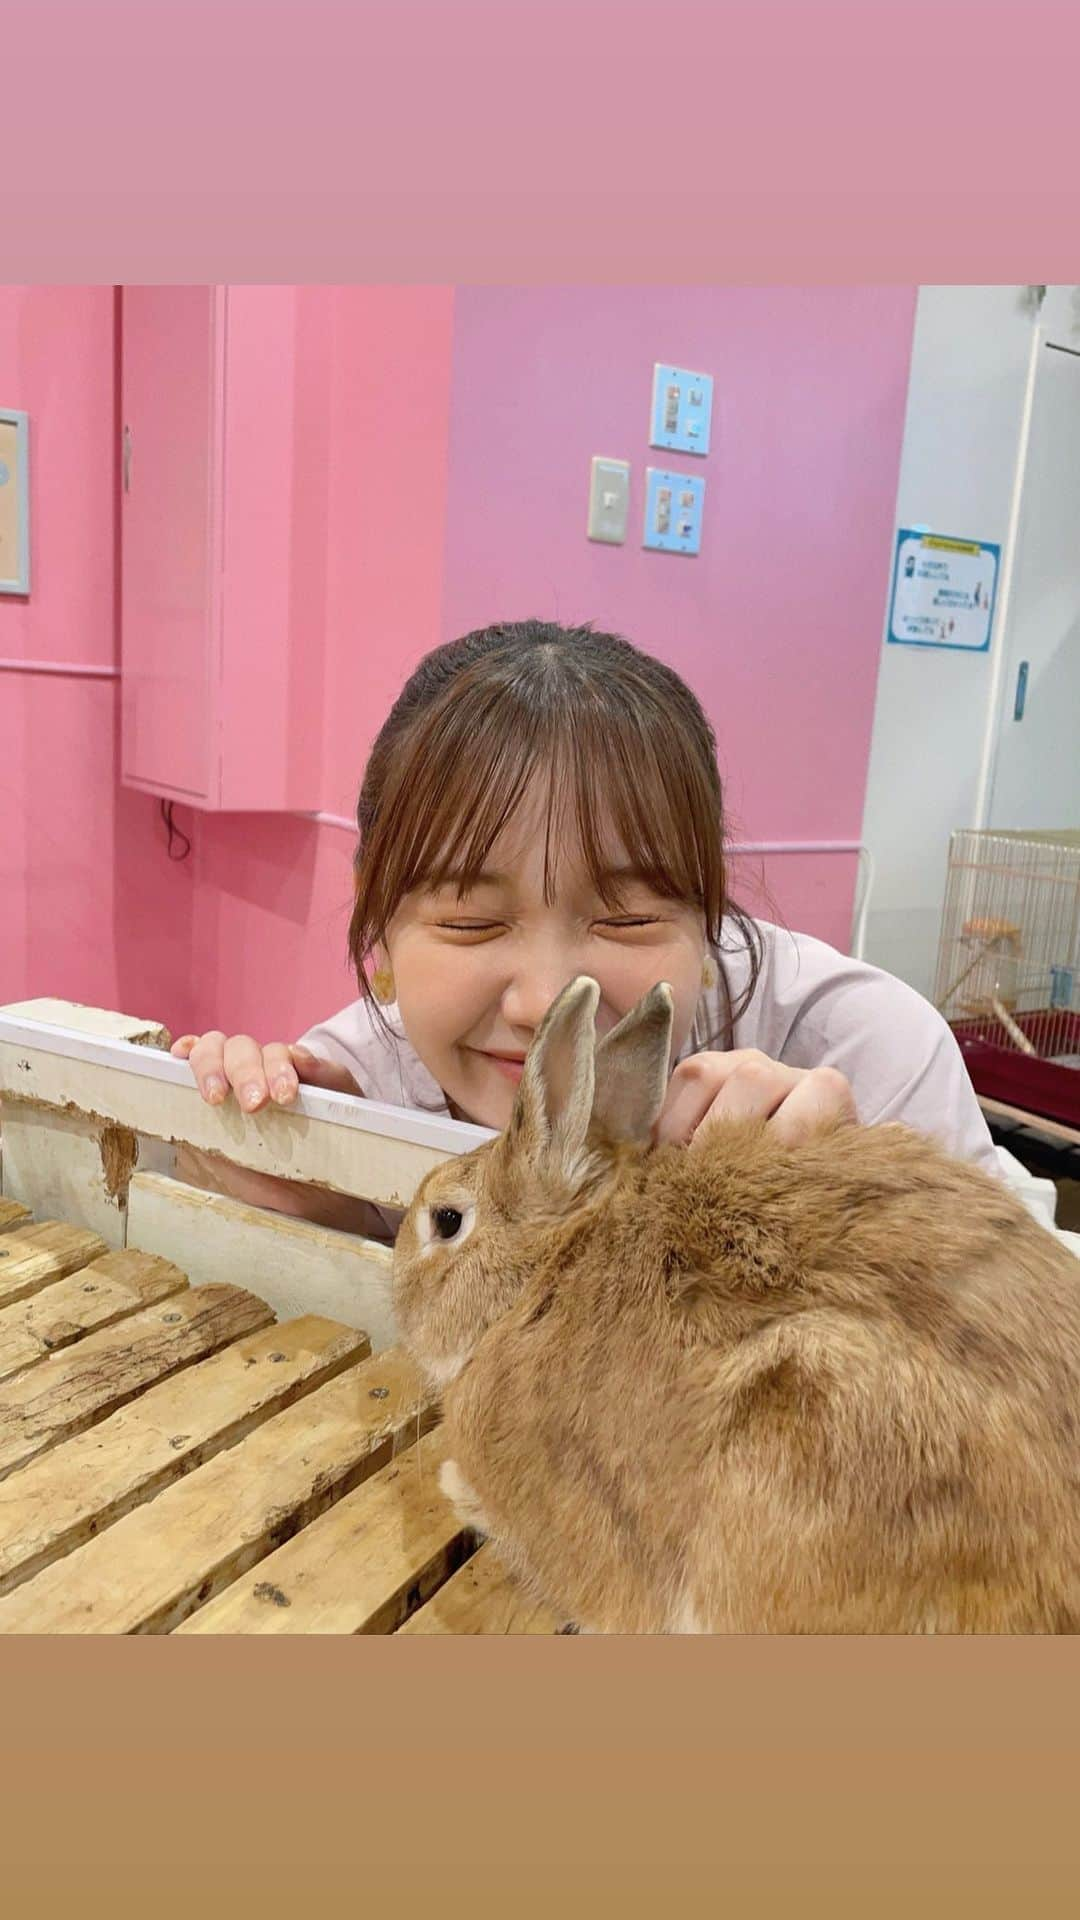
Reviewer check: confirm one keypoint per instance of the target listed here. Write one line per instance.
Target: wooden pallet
(205, 1423)
(173, 1458)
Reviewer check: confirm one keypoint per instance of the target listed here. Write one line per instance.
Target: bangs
(610, 763)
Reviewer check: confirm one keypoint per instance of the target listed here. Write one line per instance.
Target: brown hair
(621, 737)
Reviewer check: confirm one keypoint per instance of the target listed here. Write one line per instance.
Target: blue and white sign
(943, 591)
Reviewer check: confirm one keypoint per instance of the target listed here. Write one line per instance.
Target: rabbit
(739, 1386)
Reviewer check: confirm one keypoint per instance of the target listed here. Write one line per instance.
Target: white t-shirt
(811, 1007)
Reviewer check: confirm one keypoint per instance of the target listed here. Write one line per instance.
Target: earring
(382, 986)
(709, 975)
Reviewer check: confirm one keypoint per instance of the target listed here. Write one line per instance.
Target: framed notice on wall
(14, 501)
(943, 591)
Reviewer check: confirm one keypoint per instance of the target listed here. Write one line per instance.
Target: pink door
(173, 355)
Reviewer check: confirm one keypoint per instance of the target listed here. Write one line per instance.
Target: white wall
(1036, 772)
(969, 371)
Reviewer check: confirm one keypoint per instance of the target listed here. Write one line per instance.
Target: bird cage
(1008, 969)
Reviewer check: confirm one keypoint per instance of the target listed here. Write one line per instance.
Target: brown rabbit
(739, 1386)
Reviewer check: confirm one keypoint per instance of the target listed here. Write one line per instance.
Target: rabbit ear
(555, 1095)
(632, 1066)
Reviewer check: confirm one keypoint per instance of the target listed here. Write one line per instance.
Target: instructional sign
(943, 591)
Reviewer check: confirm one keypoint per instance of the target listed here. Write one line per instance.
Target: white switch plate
(609, 500)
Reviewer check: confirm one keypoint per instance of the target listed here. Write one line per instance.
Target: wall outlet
(674, 504)
(681, 410)
(609, 500)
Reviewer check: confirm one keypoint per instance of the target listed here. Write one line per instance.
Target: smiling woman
(476, 965)
(543, 803)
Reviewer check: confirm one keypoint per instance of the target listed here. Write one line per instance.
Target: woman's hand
(259, 1075)
(747, 1085)
(256, 1074)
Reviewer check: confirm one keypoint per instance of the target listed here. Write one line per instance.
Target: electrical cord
(175, 833)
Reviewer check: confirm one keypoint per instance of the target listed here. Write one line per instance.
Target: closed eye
(629, 925)
(474, 929)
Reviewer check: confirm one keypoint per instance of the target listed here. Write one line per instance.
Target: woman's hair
(621, 739)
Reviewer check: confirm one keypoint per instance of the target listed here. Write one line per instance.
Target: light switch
(609, 500)
(674, 506)
(681, 410)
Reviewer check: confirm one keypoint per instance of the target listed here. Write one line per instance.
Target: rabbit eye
(447, 1222)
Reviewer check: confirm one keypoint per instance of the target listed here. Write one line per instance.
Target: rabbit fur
(740, 1386)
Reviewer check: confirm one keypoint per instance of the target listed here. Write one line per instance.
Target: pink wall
(58, 799)
(386, 537)
(777, 624)
(56, 361)
(249, 930)
(91, 910)
(455, 436)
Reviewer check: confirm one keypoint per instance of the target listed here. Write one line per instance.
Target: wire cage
(1008, 969)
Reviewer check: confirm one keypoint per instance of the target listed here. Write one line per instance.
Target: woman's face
(475, 976)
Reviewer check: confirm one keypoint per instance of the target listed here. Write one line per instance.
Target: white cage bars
(1009, 955)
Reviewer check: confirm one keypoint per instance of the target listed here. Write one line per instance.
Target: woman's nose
(528, 995)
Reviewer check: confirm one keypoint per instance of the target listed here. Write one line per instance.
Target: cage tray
(1002, 1072)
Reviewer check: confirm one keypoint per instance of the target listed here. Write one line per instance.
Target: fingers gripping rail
(350, 1145)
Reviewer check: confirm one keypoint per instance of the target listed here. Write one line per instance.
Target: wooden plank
(57, 1167)
(78, 1489)
(72, 1390)
(1033, 1122)
(151, 1569)
(13, 1214)
(300, 1267)
(32, 1256)
(66, 1166)
(362, 1567)
(481, 1598)
(73, 1016)
(107, 1290)
(360, 1147)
